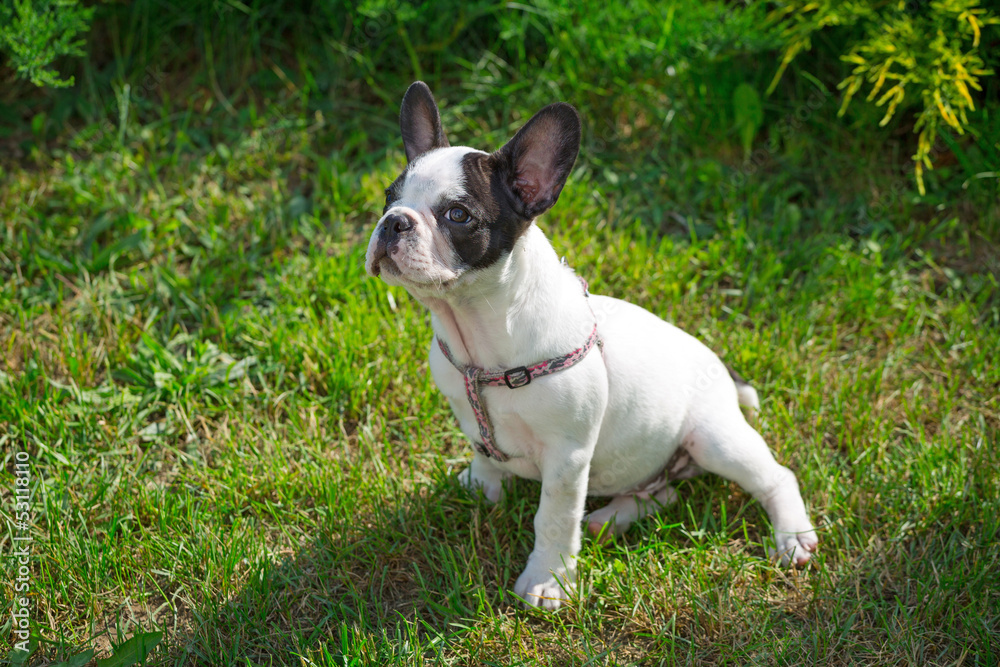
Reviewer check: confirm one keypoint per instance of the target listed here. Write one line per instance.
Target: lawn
(236, 452)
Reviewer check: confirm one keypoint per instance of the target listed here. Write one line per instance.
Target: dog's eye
(457, 214)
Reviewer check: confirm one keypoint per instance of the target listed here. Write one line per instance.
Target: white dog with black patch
(587, 394)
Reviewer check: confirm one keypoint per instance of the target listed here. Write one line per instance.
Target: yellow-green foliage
(927, 53)
(35, 33)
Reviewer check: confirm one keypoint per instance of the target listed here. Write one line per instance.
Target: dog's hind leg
(617, 516)
(728, 446)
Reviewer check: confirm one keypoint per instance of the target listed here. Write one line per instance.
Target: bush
(644, 64)
(909, 54)
(34, 33)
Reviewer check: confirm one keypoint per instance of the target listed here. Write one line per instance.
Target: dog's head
(457, 210)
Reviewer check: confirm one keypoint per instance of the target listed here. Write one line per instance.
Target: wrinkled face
(445, 215)
(455, 210)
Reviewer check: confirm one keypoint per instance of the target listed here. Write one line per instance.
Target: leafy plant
(133, 651)
(34, 33)
(927, 53)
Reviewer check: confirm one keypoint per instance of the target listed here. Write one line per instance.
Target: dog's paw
(492, 488)
(546, 588)
(604, 524)
(603, 531)
(619, 515)
(794, 547)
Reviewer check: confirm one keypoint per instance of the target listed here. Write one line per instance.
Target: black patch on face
(508, 189)
(495, 226)
(495, 223)
(392, 192)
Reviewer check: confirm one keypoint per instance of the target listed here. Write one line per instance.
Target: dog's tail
(745, 393)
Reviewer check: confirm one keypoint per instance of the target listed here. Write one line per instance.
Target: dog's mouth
(387, 264)
(382, 261)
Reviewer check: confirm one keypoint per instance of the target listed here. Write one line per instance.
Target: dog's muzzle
(393, 227)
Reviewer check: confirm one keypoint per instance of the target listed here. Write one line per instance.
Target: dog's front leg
(551, 570)
(483, 475)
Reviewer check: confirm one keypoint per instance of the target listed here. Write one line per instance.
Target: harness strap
(476, 378)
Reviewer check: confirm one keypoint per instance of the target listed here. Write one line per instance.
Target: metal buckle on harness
(524, 381)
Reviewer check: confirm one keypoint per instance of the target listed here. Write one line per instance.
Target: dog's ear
(537, 161)
(420, 122)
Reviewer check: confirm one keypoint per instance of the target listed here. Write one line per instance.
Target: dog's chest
(510, 411)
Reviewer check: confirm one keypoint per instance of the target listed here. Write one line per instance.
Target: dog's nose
(401, 223)
(396, 224)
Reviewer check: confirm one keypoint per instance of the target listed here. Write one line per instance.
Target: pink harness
(514, 378)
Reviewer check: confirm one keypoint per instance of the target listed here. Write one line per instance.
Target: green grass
(235, 441)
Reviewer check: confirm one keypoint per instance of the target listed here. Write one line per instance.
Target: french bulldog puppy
(587, 394)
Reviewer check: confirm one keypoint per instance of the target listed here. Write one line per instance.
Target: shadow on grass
(405, 571)
(414, 576)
